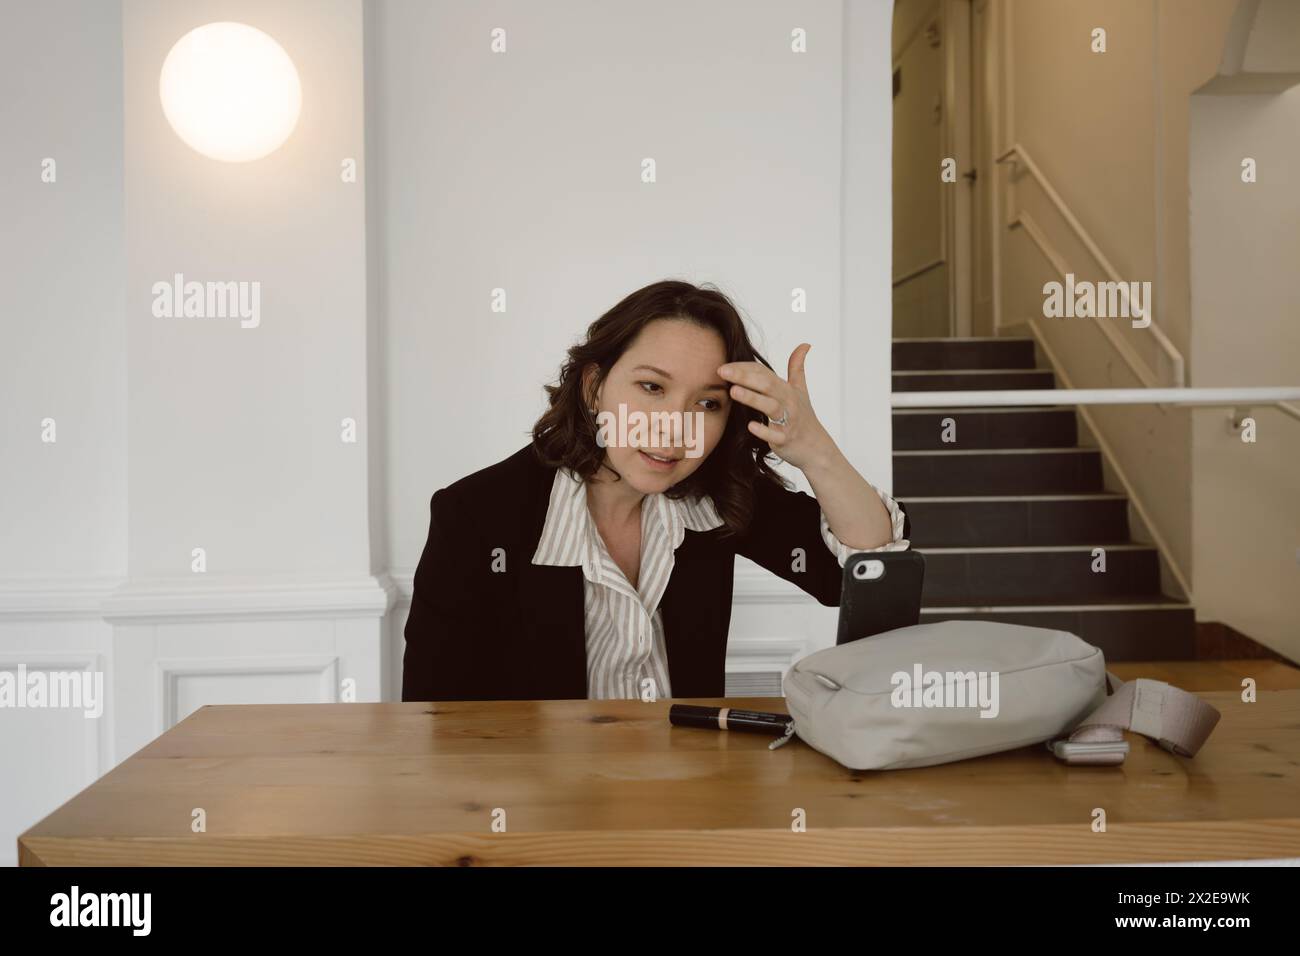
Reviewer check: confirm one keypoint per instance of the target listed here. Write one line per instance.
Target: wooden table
(601, 782)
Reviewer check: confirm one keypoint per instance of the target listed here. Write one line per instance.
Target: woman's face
(670, 367)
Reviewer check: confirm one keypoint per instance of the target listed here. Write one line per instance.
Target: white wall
(532, 184)
(866, 230)
(1245, 244)
(234, 432)
(179, 433)
(62, 356)
(521, 171)
(62, 256)
(518, 171)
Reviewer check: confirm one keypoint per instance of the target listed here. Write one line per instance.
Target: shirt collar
(569, 535)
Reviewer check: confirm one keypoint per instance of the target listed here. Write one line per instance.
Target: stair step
(1007, 515)
(1157, 629)
(1043, 426)
(1010, 520)
(913, 354)
(1014, 471)
(1063, 574)
(971, 380)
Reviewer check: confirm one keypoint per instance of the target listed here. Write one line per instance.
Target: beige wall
(1109, 131)
(1137, 157)
(920, 303)
(921, 306)
(1191, 47)
(1245, 244)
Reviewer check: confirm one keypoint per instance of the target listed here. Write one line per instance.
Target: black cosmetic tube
(728, 718)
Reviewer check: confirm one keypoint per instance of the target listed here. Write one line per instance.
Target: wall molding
(757, 585)
(54, 599)
(120, 601)
(250, 599)
(158, 601)
(764, 654)
(405, 584)
(753, 585)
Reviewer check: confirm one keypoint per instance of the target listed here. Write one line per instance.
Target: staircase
(1008, 515)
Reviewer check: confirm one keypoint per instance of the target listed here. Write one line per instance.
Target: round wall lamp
(230, 92)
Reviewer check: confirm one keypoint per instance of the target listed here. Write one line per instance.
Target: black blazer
(519, 634)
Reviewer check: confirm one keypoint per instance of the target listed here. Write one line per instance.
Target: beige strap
(1178, 721)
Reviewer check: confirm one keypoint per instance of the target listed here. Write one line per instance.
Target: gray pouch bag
(935, 693)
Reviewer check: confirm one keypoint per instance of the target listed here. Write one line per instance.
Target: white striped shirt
(624, 626)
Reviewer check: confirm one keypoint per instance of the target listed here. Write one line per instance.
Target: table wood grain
(612, 783)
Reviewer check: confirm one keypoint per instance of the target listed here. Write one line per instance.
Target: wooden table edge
(1036, 845)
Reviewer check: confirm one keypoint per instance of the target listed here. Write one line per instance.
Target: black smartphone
(881, 592)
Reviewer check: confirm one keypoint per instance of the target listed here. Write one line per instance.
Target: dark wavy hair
(565, 435)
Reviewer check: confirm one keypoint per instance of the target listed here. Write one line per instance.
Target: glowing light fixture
(230, 92)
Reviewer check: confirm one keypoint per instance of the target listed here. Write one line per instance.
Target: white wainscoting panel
(166, 649)
(47, 755)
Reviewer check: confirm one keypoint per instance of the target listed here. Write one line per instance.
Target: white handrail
(911, 274)
(1022, 157)
(1209, 397)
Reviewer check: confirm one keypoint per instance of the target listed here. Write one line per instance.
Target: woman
(597, 561)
